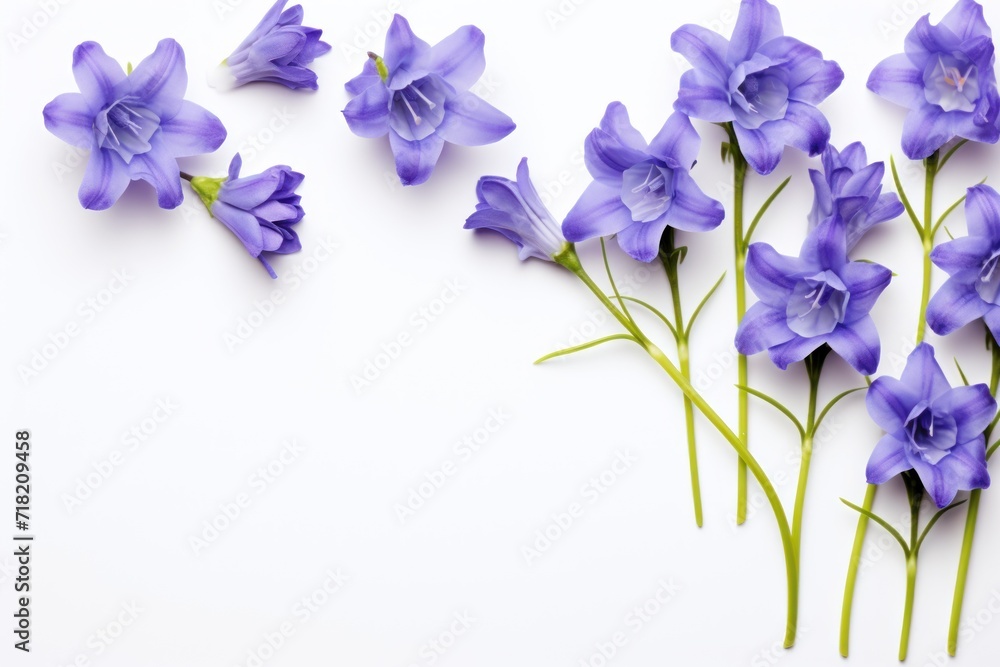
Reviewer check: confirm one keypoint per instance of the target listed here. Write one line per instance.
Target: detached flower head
(973, 289)
(259, 209)
(135, 125)
(850, 189)
(930, 428)
(278, 50)
(767, 85)
(419, 95)
(515, 210)
(640, 189)
(945, 78)
(818, 298)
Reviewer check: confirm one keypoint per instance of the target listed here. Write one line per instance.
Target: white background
(333, 507)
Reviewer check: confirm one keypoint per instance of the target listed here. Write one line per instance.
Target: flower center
(763, 96)
(647, 189)
(988, 284)
(931, 434)
(818, 304)
(418, 109)
(952, 82)
(125, 127)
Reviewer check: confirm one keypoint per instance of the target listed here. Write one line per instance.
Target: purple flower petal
(159, 168)
(796, 349)
(677, 143)
(269, 21)
(889, 403)
(963, 258)
(691, 209)
(161, 79)
(762, 327)
(762, 150)
(825, 246)
(607, 158)
(402, 50)
(703, 48)
(771, 275)
(472, 121)
(865, 282)
(953, 306)
(965, 468)
(617, 124)
(899, 81)
(104, 180)
(459, 58)
(368, 77)
(758, 22)
(241, 223)
(97, 75)
(992, 320)
(704, 96)
(982, 211)
(923, 374)
(598, 212)
(803, 127)
(68, 117)
(972, 407)
(858, 344)
(966, 20)
(193, 131)
(925, 130)
(368, 114)
(415, 160)
(642, 241)
(888, 460)
(923, 40)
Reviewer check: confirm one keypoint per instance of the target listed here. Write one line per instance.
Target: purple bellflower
(419, 95)
(514, 209)
(767, 85)
(931, 428)
(945, 78)
(814, 299)
(640, 189)
(973, 289)
(851, 190)
(260, 210)
(135, 125)
(278, 50)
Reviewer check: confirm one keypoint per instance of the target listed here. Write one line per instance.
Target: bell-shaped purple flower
(514, 209)
(419, 95)
(931, 428)
(818, 298)
(767, 85)
(278, 50)
(260, 210)
(945, 77)
(973, 289)
(850, 189)
(640, 189)
(135, 125)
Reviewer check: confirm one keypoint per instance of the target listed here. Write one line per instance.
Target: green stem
(814, 366)
(571, 261)
(740, 259)
(915, 493)
(852, 571)
(911, 585)
(927, 241)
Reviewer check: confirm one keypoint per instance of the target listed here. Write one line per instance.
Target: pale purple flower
(973, 289)
(945, 78)
(640, 189)
(818, 298)
(514, 209)
(278, 50)
(850, 189)
(767, 85)
(931, 428)
(135, 125)
(419, 95)
(260, 209)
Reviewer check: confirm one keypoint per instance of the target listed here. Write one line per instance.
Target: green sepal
(207, 189)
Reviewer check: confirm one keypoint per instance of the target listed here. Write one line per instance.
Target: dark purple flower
(515, 210)
(973, 289)
(278, 50)
(851, 190)
(259, 209)
(419, 95)
(136, 125)
(945, 78)
(814, 299)
(640, 189)
(766, 84)
(930, 428)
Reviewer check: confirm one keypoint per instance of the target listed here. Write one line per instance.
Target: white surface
(333, 506)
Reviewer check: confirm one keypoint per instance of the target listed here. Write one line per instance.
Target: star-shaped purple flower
(640, 189)
(973, 289)
(136, 125)
(931, 428)
(851, 190)
(767, 85)
(419, 95)
(818, 298)
(945, 78)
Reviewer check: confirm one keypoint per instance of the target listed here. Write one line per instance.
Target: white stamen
(416, 119)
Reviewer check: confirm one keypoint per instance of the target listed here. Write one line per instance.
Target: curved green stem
(571, 261)
(740, 243)
(814, 365)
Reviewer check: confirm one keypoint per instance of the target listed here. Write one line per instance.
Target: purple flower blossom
(419, 95)
(640, 189)
(930, 428)
(767, 85)
(945, 78)
(278, 50)
(136, 125)
(818, 298)
(973, 289)
(515, 210)
(850, 189)
(260, 210)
